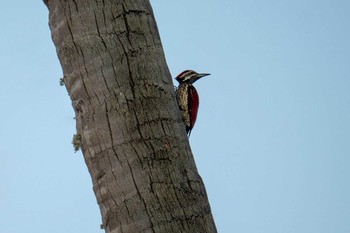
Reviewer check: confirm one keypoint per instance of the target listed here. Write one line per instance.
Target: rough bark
(132, 138)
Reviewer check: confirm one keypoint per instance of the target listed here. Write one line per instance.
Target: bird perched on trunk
(187, 97)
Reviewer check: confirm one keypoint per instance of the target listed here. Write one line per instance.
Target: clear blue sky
(272, 140)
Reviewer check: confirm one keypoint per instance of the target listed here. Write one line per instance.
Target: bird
(187, 97)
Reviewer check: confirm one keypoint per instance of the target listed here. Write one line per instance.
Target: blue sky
(272, 139)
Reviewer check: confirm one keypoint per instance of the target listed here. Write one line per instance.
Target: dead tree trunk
(132, 138)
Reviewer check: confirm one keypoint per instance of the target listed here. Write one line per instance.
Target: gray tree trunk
(132, 138)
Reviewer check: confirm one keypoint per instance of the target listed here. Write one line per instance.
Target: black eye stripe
(189, 74)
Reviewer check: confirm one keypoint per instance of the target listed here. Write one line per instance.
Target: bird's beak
(200, 76)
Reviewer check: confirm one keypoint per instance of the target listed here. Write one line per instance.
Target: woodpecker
(187, 97)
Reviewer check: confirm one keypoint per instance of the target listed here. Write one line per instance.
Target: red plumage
(193, 102)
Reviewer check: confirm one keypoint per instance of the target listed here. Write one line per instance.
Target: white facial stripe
(189, 75)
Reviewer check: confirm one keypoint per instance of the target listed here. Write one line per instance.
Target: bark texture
(132, 137)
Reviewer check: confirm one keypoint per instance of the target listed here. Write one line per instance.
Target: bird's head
(189, 76)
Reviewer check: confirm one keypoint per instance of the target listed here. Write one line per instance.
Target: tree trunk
(132, 137)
